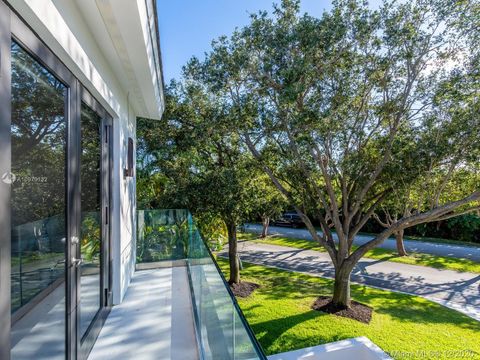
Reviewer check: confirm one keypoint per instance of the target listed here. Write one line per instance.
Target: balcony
(178, 305)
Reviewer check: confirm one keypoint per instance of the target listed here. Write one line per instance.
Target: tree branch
(410, 221)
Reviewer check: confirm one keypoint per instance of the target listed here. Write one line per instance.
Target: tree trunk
(341, 287)
(400, 245)
(266, 224)
(232, 254)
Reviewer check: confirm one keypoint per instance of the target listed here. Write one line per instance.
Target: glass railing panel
(38, 258)
(222, 332)
(90, 269)
(162, 235)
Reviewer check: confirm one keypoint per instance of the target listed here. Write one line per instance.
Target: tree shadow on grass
(429, 260)
(279, 285)
(441, 262)
(282, 285)
(409, 308)
(268, 332)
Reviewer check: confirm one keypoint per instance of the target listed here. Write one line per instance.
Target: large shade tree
(354, 105)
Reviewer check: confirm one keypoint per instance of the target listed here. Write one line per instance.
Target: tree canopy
(353, 106)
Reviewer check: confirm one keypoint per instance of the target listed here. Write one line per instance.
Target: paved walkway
(460, 291)
(442, 249)
(154, 321)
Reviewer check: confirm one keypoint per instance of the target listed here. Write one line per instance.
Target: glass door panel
(38, 203)
(91, 227)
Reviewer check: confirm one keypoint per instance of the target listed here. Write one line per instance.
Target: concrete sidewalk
(422, 247)
(459, 291)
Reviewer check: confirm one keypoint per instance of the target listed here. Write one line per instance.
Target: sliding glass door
(94, 246)
(55, 174)
(91, 227)
(38, 208)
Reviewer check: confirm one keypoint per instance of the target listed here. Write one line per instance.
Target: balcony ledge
(359, 348)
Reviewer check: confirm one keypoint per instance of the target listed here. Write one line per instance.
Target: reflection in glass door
(93, 289)
(55, 184)
(38, 203)
(91, 226)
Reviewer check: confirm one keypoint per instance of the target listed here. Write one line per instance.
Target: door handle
(76, 262)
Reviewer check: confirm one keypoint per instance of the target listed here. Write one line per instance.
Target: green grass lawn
(439, 262)
(438, 240)
(280, 316)
(424, 239)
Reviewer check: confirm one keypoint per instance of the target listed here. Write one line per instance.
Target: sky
(187, 27)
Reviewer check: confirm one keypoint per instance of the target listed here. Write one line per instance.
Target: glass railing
(38, 255)
(162, 235)
(38, 258)
(221, 329)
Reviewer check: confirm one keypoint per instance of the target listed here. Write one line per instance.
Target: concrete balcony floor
(154, 321)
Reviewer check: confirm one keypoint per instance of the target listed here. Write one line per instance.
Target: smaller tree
(267, 202)
(222, 191)
(208, 170)
(391, 217)
(419, 197)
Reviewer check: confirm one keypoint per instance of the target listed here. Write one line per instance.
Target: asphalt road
(460, 291)
(457, 251)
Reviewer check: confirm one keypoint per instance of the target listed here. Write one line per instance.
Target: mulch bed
(357, 311)
(244, 289)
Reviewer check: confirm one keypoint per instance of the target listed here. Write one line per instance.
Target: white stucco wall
(75, 41)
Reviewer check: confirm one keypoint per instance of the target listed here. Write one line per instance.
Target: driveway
(459, 291)
(457, 251)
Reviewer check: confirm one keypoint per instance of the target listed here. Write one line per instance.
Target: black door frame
(13, 27)
(5, 167)
(86, 343)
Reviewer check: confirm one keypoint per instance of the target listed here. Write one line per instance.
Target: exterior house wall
(74, 40)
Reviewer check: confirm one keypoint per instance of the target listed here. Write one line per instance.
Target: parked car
(289, 219)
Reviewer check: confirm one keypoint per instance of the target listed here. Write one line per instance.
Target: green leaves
(346, 112)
